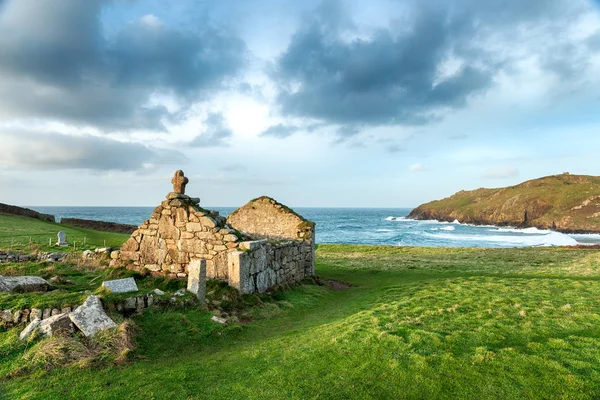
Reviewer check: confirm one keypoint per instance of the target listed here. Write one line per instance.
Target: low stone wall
(99, 225)
(26, 212)
(262, 265)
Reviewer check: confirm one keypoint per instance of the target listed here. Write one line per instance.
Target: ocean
(374, 226)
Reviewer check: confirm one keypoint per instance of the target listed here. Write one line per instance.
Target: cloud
(418, 168)
(424, 64)
(217, 132)
(52, 151)
(501, 173)
(57, 62)
(280, 131)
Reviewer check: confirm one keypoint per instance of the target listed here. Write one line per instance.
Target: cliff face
(566, 203)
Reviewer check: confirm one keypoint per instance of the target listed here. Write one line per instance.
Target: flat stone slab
(121, 285)
(60, 323)
(23, 284)
(90, 317)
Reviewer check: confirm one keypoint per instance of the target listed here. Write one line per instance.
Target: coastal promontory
(565, 203)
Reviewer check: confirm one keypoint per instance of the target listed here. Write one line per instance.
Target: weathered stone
(55, 311)
(60, 323)
(218, 319)
(174, 195)
(153, 267)
(29, 329)
(23, 284)
(121, 285)
(129, 303)
(46, 313)
(6, 315)
(253, 245)
(230, 238)
(35, 313)
(197, 279)
(130, 245)
(158, 292)
(179, 181)
(208, 222)
(90, 317)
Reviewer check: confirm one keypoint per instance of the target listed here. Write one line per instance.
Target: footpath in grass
(418, 323)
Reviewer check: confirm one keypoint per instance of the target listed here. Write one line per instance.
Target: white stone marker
(197, 279)
(121, 285)
(62, 239)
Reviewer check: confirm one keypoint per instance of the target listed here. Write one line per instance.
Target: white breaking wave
(550, 239)
(444, 228)
(397, 219)
(528, 231)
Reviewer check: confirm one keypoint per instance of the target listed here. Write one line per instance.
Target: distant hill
(26, 212)
(565, 203)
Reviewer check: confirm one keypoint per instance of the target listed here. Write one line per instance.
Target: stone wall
(25, 212)
(178, 231)
(262, 264)
(266, 218)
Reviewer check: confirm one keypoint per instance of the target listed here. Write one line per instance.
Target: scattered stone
(35, 313)
(46, 313)
(219, 319)
(121, 285)
(60, 323)
(6, 315)
(102, 250)
(26, 333)
(180, 292)
(129, 303)
(90, 317)
(87, 254)
(197, 279)
(23, 284)
(159, 292)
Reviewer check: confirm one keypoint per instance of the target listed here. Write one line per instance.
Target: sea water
(375, 226)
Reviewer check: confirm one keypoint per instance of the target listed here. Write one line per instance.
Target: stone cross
(179, 181)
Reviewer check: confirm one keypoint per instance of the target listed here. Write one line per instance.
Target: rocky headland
(565, 203)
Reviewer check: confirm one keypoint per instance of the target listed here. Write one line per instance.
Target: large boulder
(23, 284)
(90, 317)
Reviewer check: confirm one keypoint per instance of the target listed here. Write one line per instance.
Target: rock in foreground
(90, 317)
(23, 284)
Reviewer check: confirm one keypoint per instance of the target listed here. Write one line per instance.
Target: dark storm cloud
(393, 75)
(217, 133)
(56, 62)
(49, 150)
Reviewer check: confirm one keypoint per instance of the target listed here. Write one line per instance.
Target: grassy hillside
(16, 231)
(419, 323)
(567, 203)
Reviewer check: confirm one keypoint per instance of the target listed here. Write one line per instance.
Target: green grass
(419, 323)
(16, 231)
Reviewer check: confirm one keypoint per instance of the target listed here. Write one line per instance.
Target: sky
(314, 103)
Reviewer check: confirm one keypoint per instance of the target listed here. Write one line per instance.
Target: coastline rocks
(90, 317)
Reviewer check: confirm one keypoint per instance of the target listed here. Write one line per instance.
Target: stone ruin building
(261, 245)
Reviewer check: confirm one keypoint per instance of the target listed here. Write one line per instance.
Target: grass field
(25, 234)
(418, 323)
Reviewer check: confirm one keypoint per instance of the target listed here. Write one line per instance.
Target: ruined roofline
(267, 199)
